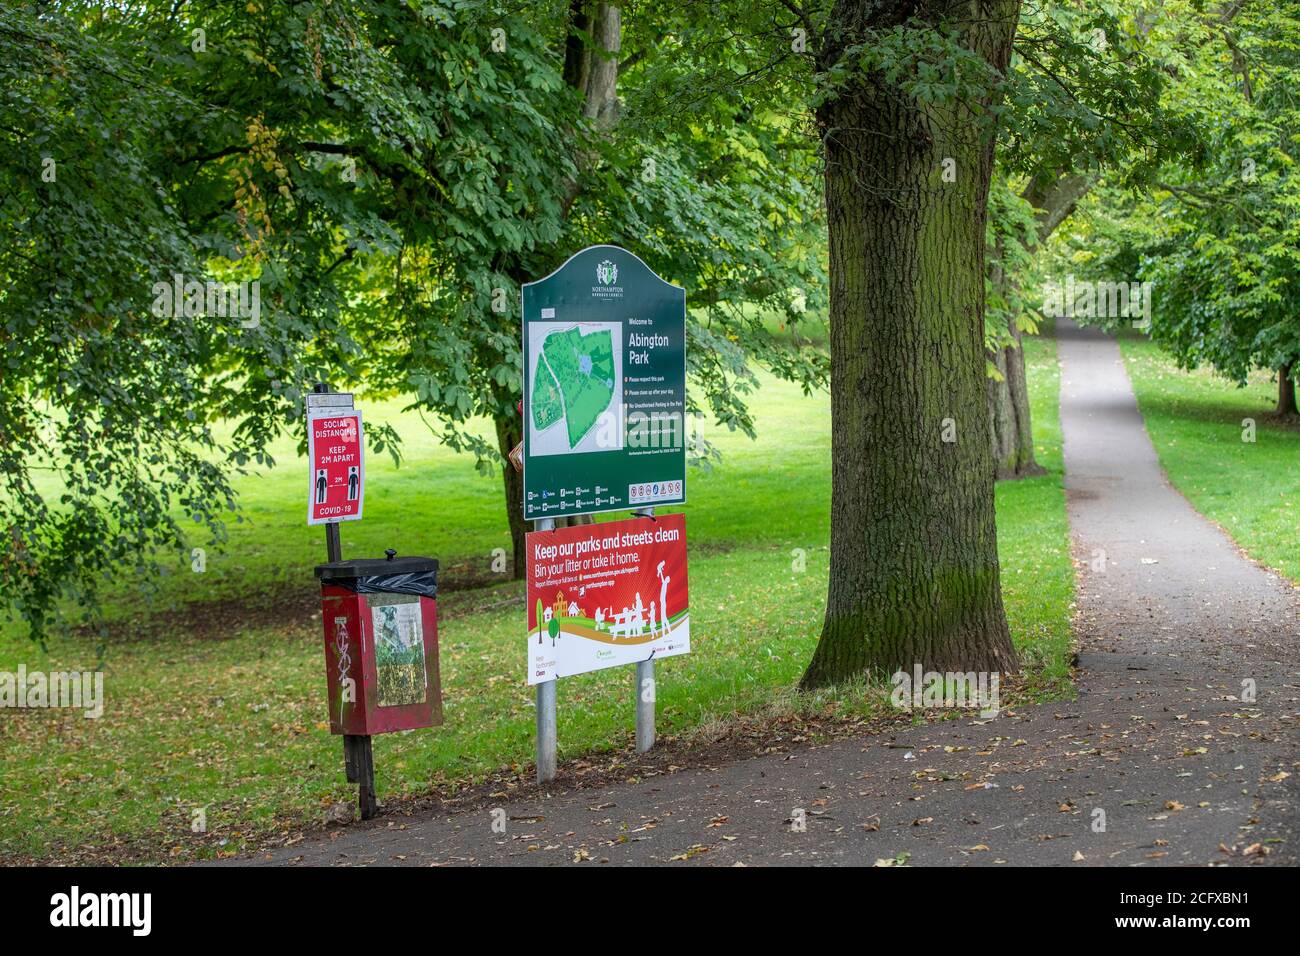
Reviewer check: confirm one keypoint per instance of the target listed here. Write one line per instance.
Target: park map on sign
(574, 381)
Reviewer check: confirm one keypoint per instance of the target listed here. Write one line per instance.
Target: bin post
(546, 730)
(358, 757)
(645, 691)
(333, 543)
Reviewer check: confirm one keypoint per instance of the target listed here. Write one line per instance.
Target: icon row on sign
(653, 491)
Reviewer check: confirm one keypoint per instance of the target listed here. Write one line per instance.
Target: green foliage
(1085, 87)
(1083, 101)
(1011, 242)
(388, 173)
(1219, 232)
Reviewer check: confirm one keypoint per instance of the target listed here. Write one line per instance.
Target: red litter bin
(381, 644)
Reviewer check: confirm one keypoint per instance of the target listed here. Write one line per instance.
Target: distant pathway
(1171, 620)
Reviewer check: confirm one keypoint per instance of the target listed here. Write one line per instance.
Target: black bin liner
(372, 575)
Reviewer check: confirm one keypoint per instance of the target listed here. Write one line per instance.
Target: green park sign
(604, 387)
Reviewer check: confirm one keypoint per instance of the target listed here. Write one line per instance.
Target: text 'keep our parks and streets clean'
(559, 560)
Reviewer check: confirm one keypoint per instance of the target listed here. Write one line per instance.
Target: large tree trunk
(1285, 391)
(914, 566)
(601, 103)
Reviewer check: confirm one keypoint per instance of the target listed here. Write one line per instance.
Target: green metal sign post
(604, 387)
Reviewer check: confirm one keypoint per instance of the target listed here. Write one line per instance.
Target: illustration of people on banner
(607, 594)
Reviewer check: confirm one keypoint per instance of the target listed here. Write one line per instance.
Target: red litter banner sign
(336, 488)
(601, 595)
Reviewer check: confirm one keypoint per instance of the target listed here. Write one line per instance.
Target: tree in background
(1218, 235)
(1086, 103)
(1010, 312)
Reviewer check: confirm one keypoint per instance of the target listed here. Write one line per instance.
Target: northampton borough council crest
(607, 273)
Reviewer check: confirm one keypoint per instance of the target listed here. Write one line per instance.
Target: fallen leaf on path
(695, 850)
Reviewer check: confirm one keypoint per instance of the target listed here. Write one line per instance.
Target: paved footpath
(1159, 739)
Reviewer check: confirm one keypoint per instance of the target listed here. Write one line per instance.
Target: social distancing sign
(337, 478)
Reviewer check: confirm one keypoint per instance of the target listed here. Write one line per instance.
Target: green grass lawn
(221, 706)
(1196, 422)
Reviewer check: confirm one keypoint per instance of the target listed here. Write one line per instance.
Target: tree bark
(1055, 197)
(1012, 431)
(601, 103)
(914, 567)
(577, 56)
(1011, 434)
(1018, 386)
(1002, 419)
(510, 434)
(1286, 404)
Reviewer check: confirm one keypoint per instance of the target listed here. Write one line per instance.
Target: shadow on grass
(1216, 411)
